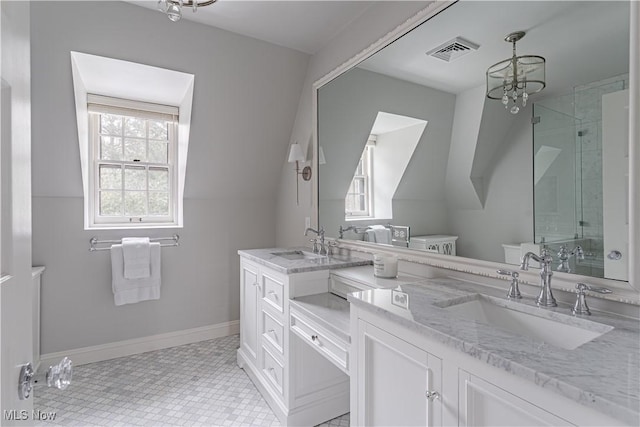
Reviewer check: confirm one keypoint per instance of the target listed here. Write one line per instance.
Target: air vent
(453, 49)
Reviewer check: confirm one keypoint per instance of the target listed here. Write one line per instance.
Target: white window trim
(139, 82)
(98, 105)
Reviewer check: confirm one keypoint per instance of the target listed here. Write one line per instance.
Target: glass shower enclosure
(567, 152)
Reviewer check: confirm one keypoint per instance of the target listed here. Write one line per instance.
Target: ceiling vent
(453, 49)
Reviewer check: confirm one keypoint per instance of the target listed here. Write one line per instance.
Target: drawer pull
(316, 340)
(272, 331)
(432, 395)
(273, 294)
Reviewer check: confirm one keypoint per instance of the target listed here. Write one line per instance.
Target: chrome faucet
(564, 254)
(320, 233)
(342, 230)
(545, 299)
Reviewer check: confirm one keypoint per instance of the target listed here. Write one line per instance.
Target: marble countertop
(268, 258)
(326, 309)
(603, 374)
(364, 274)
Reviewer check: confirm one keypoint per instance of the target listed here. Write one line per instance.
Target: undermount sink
(297, 255)
(554, 328)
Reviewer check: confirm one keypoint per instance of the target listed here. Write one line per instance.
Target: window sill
(132, 227)
(365, 218)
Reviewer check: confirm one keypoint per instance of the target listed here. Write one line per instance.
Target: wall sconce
(296, 155)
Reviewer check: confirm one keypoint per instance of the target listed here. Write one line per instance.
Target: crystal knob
(59, 376)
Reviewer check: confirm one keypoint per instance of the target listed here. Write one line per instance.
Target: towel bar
(94, 241)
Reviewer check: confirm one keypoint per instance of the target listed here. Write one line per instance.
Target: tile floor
(192, 385)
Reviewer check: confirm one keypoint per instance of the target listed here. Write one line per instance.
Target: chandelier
(516, 78)
(173, 8)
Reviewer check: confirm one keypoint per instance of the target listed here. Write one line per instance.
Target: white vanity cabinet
(482, 403)
(299, 384)
(401, 382)
(401, 377)
(249, 303)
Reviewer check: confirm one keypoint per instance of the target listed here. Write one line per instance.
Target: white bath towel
(136, 257)
(129, 291)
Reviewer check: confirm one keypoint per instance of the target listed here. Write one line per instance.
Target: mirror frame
(628, 292)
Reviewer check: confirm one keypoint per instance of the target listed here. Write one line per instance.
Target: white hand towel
(370, 235)
(383, 235)
(377, 227)
(136, 257)
(129, 291)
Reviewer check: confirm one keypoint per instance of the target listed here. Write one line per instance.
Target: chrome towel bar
(93, 242)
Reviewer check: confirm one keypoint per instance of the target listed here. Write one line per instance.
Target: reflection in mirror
(570, 177)
(459, 176)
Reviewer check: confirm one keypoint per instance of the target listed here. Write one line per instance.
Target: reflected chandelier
(516, 78)
(173, 8)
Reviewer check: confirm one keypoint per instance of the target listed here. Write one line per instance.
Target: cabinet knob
(314, 337)
(432, 395)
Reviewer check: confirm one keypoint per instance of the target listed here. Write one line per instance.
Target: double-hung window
(358, 202)
(133, 150)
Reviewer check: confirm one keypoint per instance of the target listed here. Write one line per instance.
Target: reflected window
(358, 202)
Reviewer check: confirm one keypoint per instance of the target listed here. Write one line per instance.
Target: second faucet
(320, 232)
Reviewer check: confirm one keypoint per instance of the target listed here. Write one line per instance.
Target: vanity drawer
(332, 347)
(273, 331)
(272, 370)
(273, 292)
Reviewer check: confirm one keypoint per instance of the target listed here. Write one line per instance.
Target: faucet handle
(581, 287)
(505, 272)
(315, 245)
(514, 291)
(581, 307)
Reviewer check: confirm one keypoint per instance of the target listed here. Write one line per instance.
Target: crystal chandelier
(515, 78)
(173, 8)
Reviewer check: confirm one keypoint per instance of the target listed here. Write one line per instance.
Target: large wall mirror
(413, 153)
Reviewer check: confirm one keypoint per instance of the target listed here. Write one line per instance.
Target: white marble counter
(603, 374)
(268, 258)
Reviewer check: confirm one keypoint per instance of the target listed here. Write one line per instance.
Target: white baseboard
(98, 353)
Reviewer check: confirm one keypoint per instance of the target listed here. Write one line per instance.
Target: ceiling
(581, 41)
(306, 26)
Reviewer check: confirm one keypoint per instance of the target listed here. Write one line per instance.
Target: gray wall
(377, 21)
(245, 98)
(347, 109)
(507, 215)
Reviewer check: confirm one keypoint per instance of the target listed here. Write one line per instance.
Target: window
(133, 152)
(358, 200)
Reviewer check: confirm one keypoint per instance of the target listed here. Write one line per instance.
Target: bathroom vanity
(439, 361)
(426, 351)
(300, 384)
